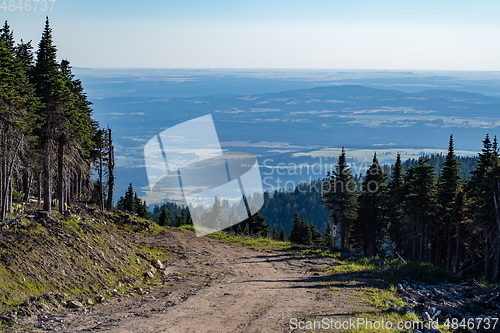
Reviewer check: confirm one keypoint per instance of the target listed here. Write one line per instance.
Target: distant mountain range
(289, 125)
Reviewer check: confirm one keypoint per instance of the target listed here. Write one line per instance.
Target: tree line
(448, 220)
(49, 140)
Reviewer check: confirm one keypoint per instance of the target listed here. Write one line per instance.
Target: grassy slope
(78, 258)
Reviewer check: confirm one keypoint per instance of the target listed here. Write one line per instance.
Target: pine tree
(274, 235)
(51, 88)
(189, 220)
(484, 191)
(316, 236)
(371, 221)
(129, 202)
(180, 220)
(396, 197)
(232, 217)
(246, 229)
(140, 207)
(340, 197)
(295, 236)
(460, 217)
(328, 239)
(305, 232)
(449, 183)
(164, 218)
(257, 225)
(282, 236)
(420, 198)
(214, 219)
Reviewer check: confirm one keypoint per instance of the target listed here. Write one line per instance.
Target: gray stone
(74, 304)
(158, 264)
(44, 307)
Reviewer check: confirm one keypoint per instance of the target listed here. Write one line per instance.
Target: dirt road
(215, 287)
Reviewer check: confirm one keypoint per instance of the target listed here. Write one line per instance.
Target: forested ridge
(49, 141)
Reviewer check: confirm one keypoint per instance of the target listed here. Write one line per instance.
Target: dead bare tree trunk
(457, 250)
(60, 171)
(27, 185)
(47, 195)
(448, 248)
(79, 186)
(39, 189)
(101, 189)
(3, 165)
(414, 239)
(437, 251)
(486, 256)
(426, 245)
(9, 197)
(421, 242)
(111, 171)
(496, 264)
(7, 181)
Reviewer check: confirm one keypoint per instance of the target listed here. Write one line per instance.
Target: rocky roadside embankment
(51, 263)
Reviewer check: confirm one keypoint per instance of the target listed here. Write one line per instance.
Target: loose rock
(74, 304)
(158, 264)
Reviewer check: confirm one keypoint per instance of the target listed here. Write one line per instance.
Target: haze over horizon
(385, 34)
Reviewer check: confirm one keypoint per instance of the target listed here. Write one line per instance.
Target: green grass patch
(253, 243)
(186, 227)
(383, 299)
(422, 271)
(311, 252)
(359, 266)
(394, 271)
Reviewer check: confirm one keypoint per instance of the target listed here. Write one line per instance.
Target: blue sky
(347, 34)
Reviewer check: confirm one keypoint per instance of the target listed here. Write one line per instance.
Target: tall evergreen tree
(484, 190)
(396, 197)
(214, 219)
(449, 183)
(274, 235)
(180, 219)
(295, 235)
(420, 201)
(129, 202)
(282, 236)
(51, 88)
(164, 218)
(371, 221)
(340, 197)
(460, 217)
(328, 239)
